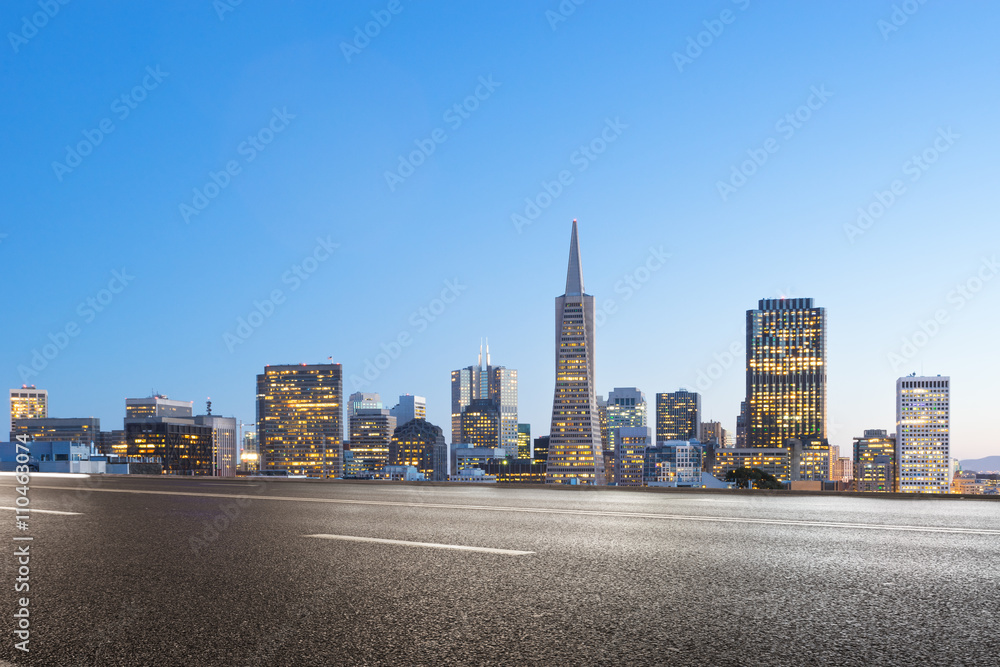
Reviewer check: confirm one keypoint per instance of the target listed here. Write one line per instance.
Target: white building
(923, 454)
(409, 408)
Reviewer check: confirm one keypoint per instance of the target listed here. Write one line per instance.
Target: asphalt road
(226, 572)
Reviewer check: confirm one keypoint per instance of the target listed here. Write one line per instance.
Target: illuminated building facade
(300, 419)
(524, 448)
(28, 402)
(713, 431)
(602, 411)
(786, 372)
(361, 400)
(481, 424)
(371, 432)
(157, 406)
(420, 444)
(875, 462)
(575, 452)
(542, 448)
(515, 471)
(923, 455)
(816, 460)
(626, 408)
(183, 447)
(112, 443)
(84, 431)
(678, 416)
(777, 461)
(225, 442)
(481, 382)
(630, 454)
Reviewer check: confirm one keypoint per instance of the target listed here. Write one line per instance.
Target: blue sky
(325, 118)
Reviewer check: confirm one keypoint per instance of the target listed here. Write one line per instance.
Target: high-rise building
(409, 408)
(157, 406)
(371, 432)
(486, 381)
(923, 453)
(631, 443)
(28, 402)
(575, 452)
(481, 424)
(225, 441)
(524, 448)
(741, 426)
(673, 463)
(164, 430)
(626, 408)
(112, 443)
(84, 431)
(300, 419)
(361, 400)
(678, 416)
(602, 412)
(786, 372)
(875, 462)
(420, 444)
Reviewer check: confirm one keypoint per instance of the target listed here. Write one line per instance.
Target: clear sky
(213, 154)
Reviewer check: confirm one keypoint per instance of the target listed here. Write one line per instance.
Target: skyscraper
(626, 408)
(524, 448)
(923, 454)
(160, 428)
(575, 454)
(225, 441)
(371, 432)
(300, 419)
(486, 381)
(481, 425)
(409, 408)
(28, 403)
(361, 400)
(786, 372)
(875, 461)
(678, 416)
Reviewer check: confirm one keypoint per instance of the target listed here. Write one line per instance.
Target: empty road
(150, 571)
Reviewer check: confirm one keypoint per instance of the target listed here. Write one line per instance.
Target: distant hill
(982, 465)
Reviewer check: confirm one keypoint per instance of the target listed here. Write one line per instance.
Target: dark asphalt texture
(125, 583)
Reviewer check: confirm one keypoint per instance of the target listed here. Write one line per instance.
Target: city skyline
(668, 135)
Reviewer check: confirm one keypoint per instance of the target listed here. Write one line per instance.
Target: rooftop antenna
(208, 405)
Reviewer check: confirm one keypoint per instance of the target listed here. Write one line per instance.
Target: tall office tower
(28, 402)
(481, 424)
(626, 409)
(371, 432)
(575, 452)
(163, 429)
(678, 416)
(631, 443)
(300, 412)
(875, 461)
(483, 381)
(85, 431)
(409, 408)
(923, 455)
(602, 411)
(361, 400)
(225, 441)
(786, 372)
(524, 448)
(741, 426)
(420, 444)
